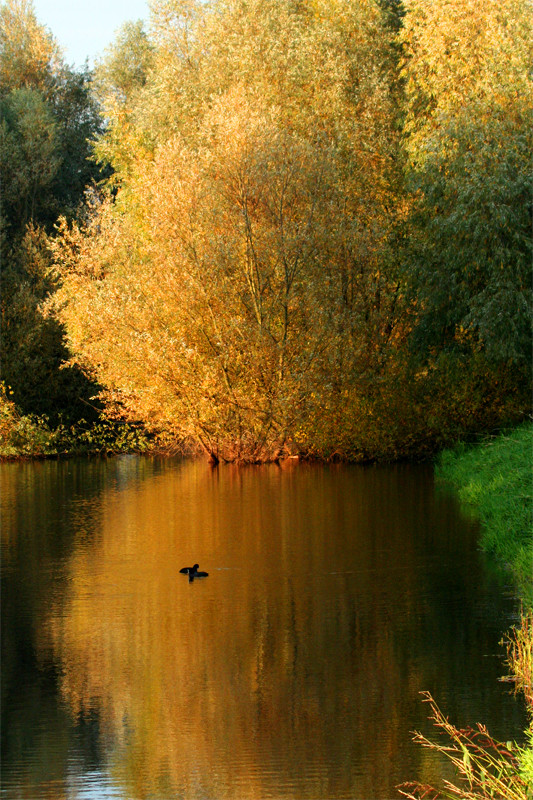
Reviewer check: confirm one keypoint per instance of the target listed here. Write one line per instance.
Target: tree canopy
(240, 266)
(315, 233)
(469, 123)
(47, 118)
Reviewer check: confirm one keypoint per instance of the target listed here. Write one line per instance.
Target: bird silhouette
(193, 572)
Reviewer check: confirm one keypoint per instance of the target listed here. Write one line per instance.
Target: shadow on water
(335, 595)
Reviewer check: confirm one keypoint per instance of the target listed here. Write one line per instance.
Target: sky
(84, 28)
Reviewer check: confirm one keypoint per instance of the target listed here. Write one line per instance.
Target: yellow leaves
(28, 52)
(204, 295)
(460, 51)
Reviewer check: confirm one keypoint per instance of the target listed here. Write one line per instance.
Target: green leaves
(29, 157)
(469, 141)
(47, 118)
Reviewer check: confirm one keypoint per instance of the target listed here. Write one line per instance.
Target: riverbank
(30, 437)
(493, 479)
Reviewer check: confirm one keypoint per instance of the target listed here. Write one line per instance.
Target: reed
(519, 644)
(486, 769)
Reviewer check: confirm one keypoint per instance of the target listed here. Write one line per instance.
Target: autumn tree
(235, 281)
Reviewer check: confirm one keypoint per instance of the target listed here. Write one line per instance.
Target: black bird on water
(193, 572)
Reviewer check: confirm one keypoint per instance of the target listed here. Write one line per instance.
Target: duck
(193, 572)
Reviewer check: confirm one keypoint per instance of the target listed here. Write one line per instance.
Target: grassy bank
(494, 479)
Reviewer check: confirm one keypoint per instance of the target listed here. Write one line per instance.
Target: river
(335, 595)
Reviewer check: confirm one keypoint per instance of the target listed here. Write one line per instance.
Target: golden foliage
(460, 53)
(28, 52)
(241, 259)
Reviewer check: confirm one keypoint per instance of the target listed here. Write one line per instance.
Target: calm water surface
(335, 595)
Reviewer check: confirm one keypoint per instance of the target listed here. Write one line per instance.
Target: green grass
(494, 478)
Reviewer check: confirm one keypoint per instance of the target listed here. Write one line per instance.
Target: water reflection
(334, 596)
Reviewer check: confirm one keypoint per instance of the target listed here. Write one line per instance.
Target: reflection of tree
(289, 676)
(48, 508)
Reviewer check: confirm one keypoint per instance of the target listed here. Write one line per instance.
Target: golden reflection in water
(273, 677)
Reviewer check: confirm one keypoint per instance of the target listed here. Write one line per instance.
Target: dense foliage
(240, 267)
(316, 234)
(469, 123)
(47, 118)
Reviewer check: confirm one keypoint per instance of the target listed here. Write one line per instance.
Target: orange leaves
(257, 152)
